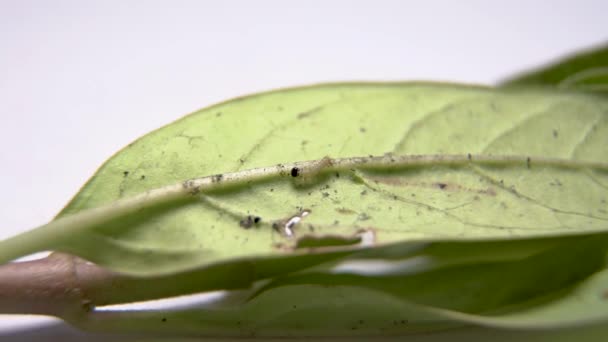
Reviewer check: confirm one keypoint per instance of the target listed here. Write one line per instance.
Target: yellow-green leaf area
(523, 163)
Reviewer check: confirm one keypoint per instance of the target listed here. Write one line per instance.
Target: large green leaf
(493, 164)
(586, 71)
(502, 193)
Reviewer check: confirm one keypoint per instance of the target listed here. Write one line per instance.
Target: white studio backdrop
(81, 79)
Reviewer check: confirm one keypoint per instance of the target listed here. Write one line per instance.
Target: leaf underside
(434, 202)
(543, 208)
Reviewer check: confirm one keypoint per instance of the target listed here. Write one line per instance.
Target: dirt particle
(555, 182)
(164, 319)
(442, 186)
(555, 133)
(363, 217)
(528, 162)
(190, 186)
(337, 175)
(218, 114)
(469, 157)
(217, 178)
(249, 221)
(362, 129)
(309, 112)
(345, 211)
(271, 189)
(295, 172)
(125, 173)
(364, 192)
(142, 177)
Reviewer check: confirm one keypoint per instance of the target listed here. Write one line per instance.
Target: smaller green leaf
(586, 71)
(289, 311)
(511, 286)
(481, 286)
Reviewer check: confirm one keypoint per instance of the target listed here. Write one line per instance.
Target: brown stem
(67, 287)
(48, 286)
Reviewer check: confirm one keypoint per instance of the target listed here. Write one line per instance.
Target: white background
(81, 79)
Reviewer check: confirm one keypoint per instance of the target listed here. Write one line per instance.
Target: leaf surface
(495, 164)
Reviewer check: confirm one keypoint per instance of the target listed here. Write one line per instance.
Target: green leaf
(586, 71)
(500, 293)
(487, 207)
(453, 162)
(561, 287)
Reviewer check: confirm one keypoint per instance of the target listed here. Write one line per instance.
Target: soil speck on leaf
(345, 211)
(190, 186)
(363, 217)
(295, 172)
(250, 221)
